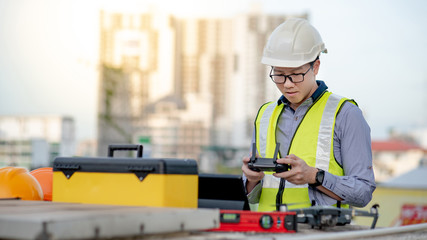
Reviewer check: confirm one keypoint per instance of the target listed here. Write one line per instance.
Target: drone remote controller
(267, 164)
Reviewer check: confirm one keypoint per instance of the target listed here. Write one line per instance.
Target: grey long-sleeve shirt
(352, 150)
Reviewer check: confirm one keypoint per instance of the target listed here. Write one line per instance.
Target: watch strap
(320, 175)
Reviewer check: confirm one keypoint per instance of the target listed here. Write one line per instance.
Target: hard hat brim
(284, 63)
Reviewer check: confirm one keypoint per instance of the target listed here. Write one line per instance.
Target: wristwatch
(320, 175)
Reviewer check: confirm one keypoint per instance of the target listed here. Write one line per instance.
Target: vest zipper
(282, 181)
(279, 196)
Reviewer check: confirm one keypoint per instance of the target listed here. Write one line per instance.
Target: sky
(376, 54)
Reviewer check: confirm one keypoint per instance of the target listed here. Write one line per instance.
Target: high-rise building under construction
(181, 85)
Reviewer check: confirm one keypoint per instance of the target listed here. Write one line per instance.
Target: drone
(329, 216)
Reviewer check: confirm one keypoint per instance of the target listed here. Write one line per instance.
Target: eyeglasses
(294, 78)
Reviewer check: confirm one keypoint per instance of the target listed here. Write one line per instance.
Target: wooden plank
(51, 220)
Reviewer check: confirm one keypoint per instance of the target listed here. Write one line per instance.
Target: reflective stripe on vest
(326, 131)
(268, 115)
(313, 142)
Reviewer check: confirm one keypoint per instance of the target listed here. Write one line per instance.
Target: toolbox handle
(125, 147)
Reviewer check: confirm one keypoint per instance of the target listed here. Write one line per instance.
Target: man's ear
(316, 66)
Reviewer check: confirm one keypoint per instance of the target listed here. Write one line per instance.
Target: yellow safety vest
(312, 142)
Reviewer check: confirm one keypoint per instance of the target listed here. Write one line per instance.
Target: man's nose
(288, 82)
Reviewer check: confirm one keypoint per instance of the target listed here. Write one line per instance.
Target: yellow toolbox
(126, 181)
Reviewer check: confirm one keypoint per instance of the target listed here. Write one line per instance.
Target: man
(323, 137)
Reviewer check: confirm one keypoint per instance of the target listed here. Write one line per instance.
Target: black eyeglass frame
(290, 75)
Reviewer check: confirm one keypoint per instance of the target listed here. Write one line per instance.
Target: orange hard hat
(17, 182)
(44, 176)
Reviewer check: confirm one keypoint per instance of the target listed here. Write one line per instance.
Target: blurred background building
(394, 157)
(402, 198)
(170, 83)
(34, 141)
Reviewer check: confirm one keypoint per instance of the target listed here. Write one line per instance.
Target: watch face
(319, 176)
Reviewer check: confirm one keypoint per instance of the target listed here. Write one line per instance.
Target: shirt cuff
(329, 181)
(254, 195)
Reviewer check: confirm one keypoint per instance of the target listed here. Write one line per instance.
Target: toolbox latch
(67, 169)
(141, 171)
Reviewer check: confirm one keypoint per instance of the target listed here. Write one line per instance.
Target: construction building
(34, 141)
(183, 87)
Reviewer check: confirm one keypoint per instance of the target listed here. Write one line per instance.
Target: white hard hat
(292, 44)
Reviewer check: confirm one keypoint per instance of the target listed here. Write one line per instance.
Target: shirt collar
(321, 87)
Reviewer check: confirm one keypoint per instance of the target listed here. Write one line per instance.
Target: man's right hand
(252, 177)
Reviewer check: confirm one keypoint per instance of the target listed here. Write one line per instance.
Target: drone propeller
(372, 213)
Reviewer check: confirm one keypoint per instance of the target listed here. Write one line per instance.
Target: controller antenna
(276, 151)
(253, 157)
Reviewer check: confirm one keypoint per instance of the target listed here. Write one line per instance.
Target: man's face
(297, 93)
